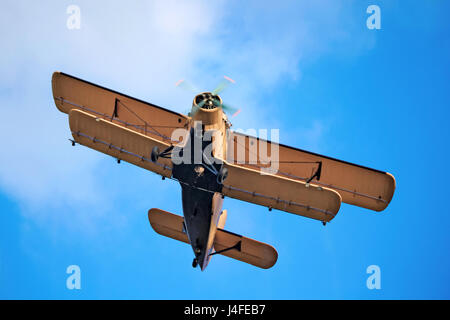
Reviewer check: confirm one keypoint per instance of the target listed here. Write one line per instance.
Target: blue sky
(312, 69)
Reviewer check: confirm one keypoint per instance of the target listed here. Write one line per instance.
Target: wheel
(194, 263)
(222, 175)
(155, 154)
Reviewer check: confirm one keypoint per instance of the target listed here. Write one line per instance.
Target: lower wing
(281, 193)
(118, 141)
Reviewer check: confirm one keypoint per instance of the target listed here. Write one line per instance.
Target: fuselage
(203, 150)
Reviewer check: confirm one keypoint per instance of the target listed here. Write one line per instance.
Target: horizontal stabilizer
(167, 224)
(251, 251)
(225, 243)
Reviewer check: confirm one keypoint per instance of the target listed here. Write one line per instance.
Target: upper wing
(357, 185)
(117, 141)
(156, 122)
(281, 193)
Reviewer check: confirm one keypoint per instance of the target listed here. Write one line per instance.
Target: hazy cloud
(142, 49)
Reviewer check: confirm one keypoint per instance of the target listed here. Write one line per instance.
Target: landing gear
(155, 154)
(194, 263)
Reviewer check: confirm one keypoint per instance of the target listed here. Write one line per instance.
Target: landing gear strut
(164, 154)
(155, 154)
(194, 263)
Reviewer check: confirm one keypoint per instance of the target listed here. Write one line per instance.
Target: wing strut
(317, 173)
(237, 246)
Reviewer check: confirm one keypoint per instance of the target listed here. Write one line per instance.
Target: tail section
(226, 243)
(222, 219)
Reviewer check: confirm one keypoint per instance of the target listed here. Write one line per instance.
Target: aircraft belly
(201, 196)
(197, 211)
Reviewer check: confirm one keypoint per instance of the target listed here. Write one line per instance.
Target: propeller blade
(201, 104)
(236, 113)
(222, 85)
(229, 108)
(197, 107)
(186, 86)
(216, 102)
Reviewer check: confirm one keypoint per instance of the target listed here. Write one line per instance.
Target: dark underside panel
(197, 210)
(198, 182)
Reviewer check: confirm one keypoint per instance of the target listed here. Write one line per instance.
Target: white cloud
(141, 49)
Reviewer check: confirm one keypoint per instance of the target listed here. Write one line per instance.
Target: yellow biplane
(210, 161)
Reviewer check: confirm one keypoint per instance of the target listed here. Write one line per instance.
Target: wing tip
(151, 214)
(392, 186)
(337, 204)
(55, 77)
(393, 181)
(273, 261)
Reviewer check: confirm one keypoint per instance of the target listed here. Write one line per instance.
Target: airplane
(177, 147)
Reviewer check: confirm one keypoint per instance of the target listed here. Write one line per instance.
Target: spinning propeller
(209, 100)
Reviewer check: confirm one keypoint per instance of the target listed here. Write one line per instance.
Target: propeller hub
(207, 100)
